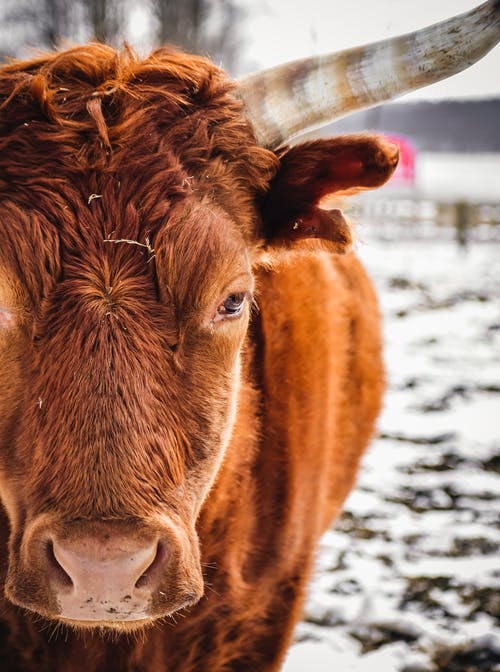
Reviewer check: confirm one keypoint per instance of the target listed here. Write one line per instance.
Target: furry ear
(310, 171)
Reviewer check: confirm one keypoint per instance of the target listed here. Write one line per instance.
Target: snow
(409, 581)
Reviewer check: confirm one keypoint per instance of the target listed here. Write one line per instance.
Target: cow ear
(313, 170)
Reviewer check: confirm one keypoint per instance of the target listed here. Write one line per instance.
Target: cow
(190, 353)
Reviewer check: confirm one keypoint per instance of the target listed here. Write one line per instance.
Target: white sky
(283, 30)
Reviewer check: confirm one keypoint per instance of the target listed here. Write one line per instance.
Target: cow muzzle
(105, 573)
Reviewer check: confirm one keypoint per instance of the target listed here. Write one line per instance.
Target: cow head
(135, 204)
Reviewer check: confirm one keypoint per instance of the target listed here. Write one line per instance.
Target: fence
(413, 217)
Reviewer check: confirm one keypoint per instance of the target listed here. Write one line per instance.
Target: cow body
(190, 355)
(141, 417)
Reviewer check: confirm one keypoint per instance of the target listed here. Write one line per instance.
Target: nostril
(56, 570)
(156, 566)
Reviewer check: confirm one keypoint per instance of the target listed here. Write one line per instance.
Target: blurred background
(416, 580)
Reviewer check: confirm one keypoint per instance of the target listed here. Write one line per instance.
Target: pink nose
(104, 579)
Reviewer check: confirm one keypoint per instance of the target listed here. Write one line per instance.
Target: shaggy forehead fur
(99, 144)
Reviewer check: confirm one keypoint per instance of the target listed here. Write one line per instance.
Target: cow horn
(300, 96)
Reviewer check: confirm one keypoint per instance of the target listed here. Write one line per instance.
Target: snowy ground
(410, 579)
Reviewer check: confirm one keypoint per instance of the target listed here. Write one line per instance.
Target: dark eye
(233, 305)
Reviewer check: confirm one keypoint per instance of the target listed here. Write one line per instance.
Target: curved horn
(300, 96)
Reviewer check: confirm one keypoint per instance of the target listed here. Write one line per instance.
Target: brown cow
(163, 463)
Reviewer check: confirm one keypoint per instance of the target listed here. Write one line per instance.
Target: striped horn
(297, 97)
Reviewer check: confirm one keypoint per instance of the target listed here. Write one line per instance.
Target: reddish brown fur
(128, 212)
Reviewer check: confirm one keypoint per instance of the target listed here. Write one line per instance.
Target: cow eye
(232, 306)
